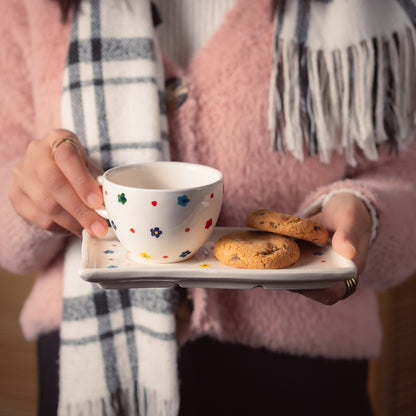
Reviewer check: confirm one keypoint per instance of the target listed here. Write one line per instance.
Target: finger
(342, 244)
(58, 186)
(72, 161)
(348, 217)
(26, 209)
(62, 137)
(328, 296)
(36, 205)
(64, 194)
(352, 241)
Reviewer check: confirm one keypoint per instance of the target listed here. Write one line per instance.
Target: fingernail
(93, 200)
(98, 229)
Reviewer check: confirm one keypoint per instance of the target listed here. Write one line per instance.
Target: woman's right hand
(57, 191)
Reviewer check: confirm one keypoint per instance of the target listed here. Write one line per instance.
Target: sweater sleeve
(24, 248)
(389, 186)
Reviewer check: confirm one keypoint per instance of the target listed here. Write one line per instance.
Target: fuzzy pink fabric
(32, 59)
(223, 123)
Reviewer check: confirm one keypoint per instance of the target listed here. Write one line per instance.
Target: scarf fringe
(136, 401)
(362, 96)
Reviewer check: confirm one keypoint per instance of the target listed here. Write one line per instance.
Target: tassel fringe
(328, 101)
(123, 402)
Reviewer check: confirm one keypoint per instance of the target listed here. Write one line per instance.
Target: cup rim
(130, 165)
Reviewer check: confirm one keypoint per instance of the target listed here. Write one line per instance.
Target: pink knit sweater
(223, 123)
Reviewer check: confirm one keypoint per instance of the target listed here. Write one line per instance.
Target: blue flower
(113, 225)
(156, 232)
(183, 200)
(185, 253)
(108, 251)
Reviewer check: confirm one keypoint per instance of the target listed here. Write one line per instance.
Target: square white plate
(105, 261)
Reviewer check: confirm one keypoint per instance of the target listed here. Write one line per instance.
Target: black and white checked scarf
(344, 76)
(118, 347)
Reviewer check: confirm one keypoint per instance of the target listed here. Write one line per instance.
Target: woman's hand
(348, 218)
(57, 190)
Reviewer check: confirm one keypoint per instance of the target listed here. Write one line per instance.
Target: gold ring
(351, 285)
(61, 140)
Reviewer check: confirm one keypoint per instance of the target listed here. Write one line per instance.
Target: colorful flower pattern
(122, 198)
(183, 200)
(156, 232)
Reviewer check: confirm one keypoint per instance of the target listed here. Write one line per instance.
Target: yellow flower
(145, 255)
(204, 265)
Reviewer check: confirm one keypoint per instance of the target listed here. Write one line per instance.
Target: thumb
(343, 244)
(353, 243)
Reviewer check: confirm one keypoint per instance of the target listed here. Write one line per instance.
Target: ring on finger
(56, 143)
(351, 285)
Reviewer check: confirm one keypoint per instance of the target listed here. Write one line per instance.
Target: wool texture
(222, 123)
(337, 68)
(118, 348)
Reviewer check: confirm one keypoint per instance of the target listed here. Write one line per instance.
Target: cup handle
(102, 210)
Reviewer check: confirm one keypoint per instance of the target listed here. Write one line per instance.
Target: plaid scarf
(118, 347)
(344, 76)
(338, 67)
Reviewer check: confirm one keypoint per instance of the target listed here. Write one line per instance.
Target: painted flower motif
(113, 225)
(122, 198)
(108, 251)
(156, 232)
(183, 200)
(204, 265)
(112, 267)
(145, 255)
(185, 253)
(208, 224)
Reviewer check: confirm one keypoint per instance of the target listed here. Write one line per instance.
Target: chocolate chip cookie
(248, 249)
(288, 225)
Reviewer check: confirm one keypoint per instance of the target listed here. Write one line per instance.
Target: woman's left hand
(347, 217)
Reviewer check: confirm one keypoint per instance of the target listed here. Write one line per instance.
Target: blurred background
(392, 383)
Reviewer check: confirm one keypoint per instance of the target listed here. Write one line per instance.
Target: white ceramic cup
(162, 212)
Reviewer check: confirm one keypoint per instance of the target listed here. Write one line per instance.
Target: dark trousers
(227, 379)
(219, 379)
(48, 374)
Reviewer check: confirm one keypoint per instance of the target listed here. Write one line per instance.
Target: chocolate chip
(268, 251)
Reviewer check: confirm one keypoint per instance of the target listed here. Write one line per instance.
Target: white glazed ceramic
(106, 262)
(162, 212)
